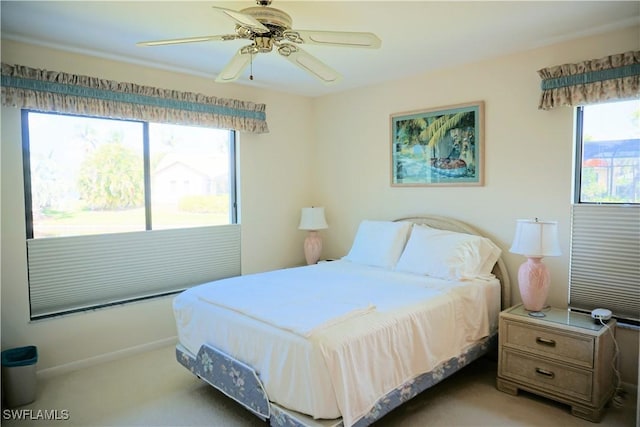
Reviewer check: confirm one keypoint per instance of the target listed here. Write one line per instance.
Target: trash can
(19, 375)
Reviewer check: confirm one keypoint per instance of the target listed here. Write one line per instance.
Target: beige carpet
(152, 389)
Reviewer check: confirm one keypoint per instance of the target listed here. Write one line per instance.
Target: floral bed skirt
(241, 383)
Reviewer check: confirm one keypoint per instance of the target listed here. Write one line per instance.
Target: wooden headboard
(445, 223)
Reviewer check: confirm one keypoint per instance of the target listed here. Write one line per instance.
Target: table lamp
(535, 239)
(312, 219)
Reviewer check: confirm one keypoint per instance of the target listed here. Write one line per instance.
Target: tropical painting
(438, 147)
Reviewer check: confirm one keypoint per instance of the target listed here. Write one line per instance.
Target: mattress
(382, 329)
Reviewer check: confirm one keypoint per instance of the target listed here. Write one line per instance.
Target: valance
(52, 91)
(611, 78)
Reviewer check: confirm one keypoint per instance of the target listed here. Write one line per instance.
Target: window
(609, 143)
(91, 175)
(123, 210)
(605, 228)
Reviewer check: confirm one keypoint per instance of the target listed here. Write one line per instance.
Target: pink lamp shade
(312, 219)
(535, 239)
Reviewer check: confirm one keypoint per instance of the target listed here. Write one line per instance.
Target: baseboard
(103, 358)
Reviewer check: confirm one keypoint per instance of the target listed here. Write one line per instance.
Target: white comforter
(381, 329)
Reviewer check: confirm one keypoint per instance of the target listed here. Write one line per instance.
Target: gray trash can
(19, 375)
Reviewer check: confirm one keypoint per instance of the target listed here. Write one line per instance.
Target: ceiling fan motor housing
(276, 20)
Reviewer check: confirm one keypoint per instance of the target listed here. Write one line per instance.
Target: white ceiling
(417, 36)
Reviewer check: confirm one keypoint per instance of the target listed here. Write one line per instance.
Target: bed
(342, 343)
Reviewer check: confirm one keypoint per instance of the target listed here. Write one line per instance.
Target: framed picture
(441, 146)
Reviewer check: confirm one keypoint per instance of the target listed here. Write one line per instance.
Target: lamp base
(537, 314)
(312, 247)
(533, 280)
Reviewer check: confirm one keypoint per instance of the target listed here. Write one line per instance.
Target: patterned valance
(24, 87)
(611, 78)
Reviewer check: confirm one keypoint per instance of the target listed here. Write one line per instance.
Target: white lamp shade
(535, 238)
(313, 219)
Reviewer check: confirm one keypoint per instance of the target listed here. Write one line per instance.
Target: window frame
(26, 161)
(578, 152)
(578, 169)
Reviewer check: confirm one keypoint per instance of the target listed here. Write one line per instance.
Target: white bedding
(390, 328)
(304, 304)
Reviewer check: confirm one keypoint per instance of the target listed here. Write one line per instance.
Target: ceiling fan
(268, 28)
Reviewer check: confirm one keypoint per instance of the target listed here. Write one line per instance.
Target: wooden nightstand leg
(591, 414)
(507, 387)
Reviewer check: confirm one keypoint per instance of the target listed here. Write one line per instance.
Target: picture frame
(438, 147)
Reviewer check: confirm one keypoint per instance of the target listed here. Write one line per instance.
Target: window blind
(67, 274)
(605, 259)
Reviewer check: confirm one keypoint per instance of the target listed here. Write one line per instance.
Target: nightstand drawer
(549, 376)
(576, 349)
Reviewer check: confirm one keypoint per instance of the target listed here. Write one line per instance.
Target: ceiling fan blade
(186, 40)
(334, 38)
(309, 63)
(235, 67)
(244, 20)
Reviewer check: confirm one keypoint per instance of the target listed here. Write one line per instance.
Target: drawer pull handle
(545, 373)
(547, 342)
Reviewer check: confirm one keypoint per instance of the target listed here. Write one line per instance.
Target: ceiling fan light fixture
(244, 32)
(292, 36)
(287, 49)
(263, 44)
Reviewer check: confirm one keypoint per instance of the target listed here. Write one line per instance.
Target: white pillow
(379, 243)
(447, 254)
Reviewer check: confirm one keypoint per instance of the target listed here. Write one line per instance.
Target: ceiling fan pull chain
(251, 69)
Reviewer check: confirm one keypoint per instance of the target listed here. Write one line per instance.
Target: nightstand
(564, 356)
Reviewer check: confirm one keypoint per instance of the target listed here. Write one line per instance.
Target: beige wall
(332, 151)
(528, 156)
